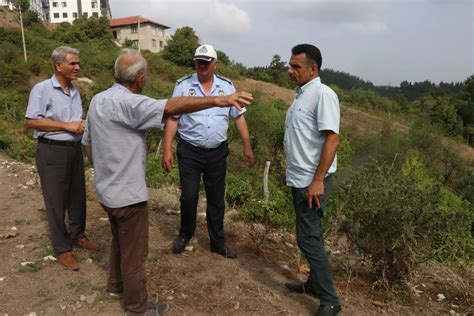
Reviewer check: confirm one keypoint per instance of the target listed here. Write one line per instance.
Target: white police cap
(205, 52)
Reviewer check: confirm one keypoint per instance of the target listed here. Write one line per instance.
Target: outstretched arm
(183, 105)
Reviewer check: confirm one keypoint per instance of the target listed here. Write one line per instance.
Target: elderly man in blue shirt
(55, 112)
(115, 141)
(311, 141)
(202, 149)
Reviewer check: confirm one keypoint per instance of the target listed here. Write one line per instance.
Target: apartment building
(144, 33)
(57, 11)
(7, 3)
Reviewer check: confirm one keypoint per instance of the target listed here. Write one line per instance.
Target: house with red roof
(144, 33)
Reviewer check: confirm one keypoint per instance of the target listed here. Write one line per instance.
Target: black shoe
(328, 310)
(224, 251)
(299, 287)
(179, 244)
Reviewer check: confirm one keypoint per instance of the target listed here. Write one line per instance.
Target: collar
(215, 80)
(57, 85)
(121, 87)
(303, 88)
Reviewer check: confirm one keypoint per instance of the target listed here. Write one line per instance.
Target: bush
(399, 219)
(156, 177)
(278, 211)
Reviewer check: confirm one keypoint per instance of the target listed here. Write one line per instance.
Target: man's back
(116, 124)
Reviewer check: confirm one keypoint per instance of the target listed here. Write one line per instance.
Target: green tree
(466, 108)
(181, 47)
(24, 5)
(223, 58)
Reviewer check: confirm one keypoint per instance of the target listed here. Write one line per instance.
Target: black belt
(59, 142)
(203, 148)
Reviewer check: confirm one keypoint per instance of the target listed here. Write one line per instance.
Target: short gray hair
(130, 73)
(60, 53)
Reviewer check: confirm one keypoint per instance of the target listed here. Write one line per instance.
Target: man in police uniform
(202, 149)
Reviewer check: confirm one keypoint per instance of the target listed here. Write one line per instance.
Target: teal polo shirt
(314, 109)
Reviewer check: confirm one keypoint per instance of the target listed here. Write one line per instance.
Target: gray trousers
(61, 171)
(309, 235)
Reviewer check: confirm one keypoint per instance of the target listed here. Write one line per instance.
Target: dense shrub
(156, 177)
(400, 218)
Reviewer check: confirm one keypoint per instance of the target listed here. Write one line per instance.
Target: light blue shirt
(205, 128)
(314, 109)
(116, 130)
(49, 100)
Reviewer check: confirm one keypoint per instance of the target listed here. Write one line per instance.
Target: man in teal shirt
(311, 140)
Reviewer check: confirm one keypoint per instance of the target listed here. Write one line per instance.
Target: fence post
(266, 192)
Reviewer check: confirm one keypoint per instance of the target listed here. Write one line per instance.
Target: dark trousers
(212, 164)
(309, 235)
(61, 171)
(128, 252)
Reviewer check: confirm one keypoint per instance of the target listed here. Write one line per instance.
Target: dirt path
(195, 282)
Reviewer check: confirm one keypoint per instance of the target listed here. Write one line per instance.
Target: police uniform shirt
(205, 128)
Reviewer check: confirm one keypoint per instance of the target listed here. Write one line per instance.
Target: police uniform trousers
(309, 235)
(60, 167)
(212, 164)
(128, 252)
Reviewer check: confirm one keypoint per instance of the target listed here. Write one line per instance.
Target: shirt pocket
(304, 119)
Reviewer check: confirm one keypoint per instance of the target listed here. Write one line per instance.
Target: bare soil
(9, 18)
(195, 282)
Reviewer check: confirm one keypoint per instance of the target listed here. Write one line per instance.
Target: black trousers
(61, 171)
(309, 235)
(212, 164)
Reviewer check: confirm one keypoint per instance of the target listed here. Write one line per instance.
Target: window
(114, 33)
(153, 30)
(56, 15)
(134, 29)
(65, 15)
(161, 44)
(63, 4)
(85, 14)
(153, 42)
(135, 43)
(74, 15)
(95, 14)
(94, 5)
(55, 4)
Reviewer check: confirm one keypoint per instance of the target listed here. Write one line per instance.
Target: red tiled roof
(130, 20)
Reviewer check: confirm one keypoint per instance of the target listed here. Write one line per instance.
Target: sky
(382, 41)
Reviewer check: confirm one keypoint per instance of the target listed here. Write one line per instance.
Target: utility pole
(138, 30)
(22, 33)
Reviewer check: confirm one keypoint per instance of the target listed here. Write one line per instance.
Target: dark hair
(312, 53)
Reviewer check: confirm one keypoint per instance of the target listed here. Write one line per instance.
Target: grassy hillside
(403, 194)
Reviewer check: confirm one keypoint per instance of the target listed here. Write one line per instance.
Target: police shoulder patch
(182, 79)
(225, 79)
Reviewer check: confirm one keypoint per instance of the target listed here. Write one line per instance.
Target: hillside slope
(350, 117)
(195, 282)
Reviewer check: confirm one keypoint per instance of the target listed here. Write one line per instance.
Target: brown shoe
(85, 243)
(68, 260)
